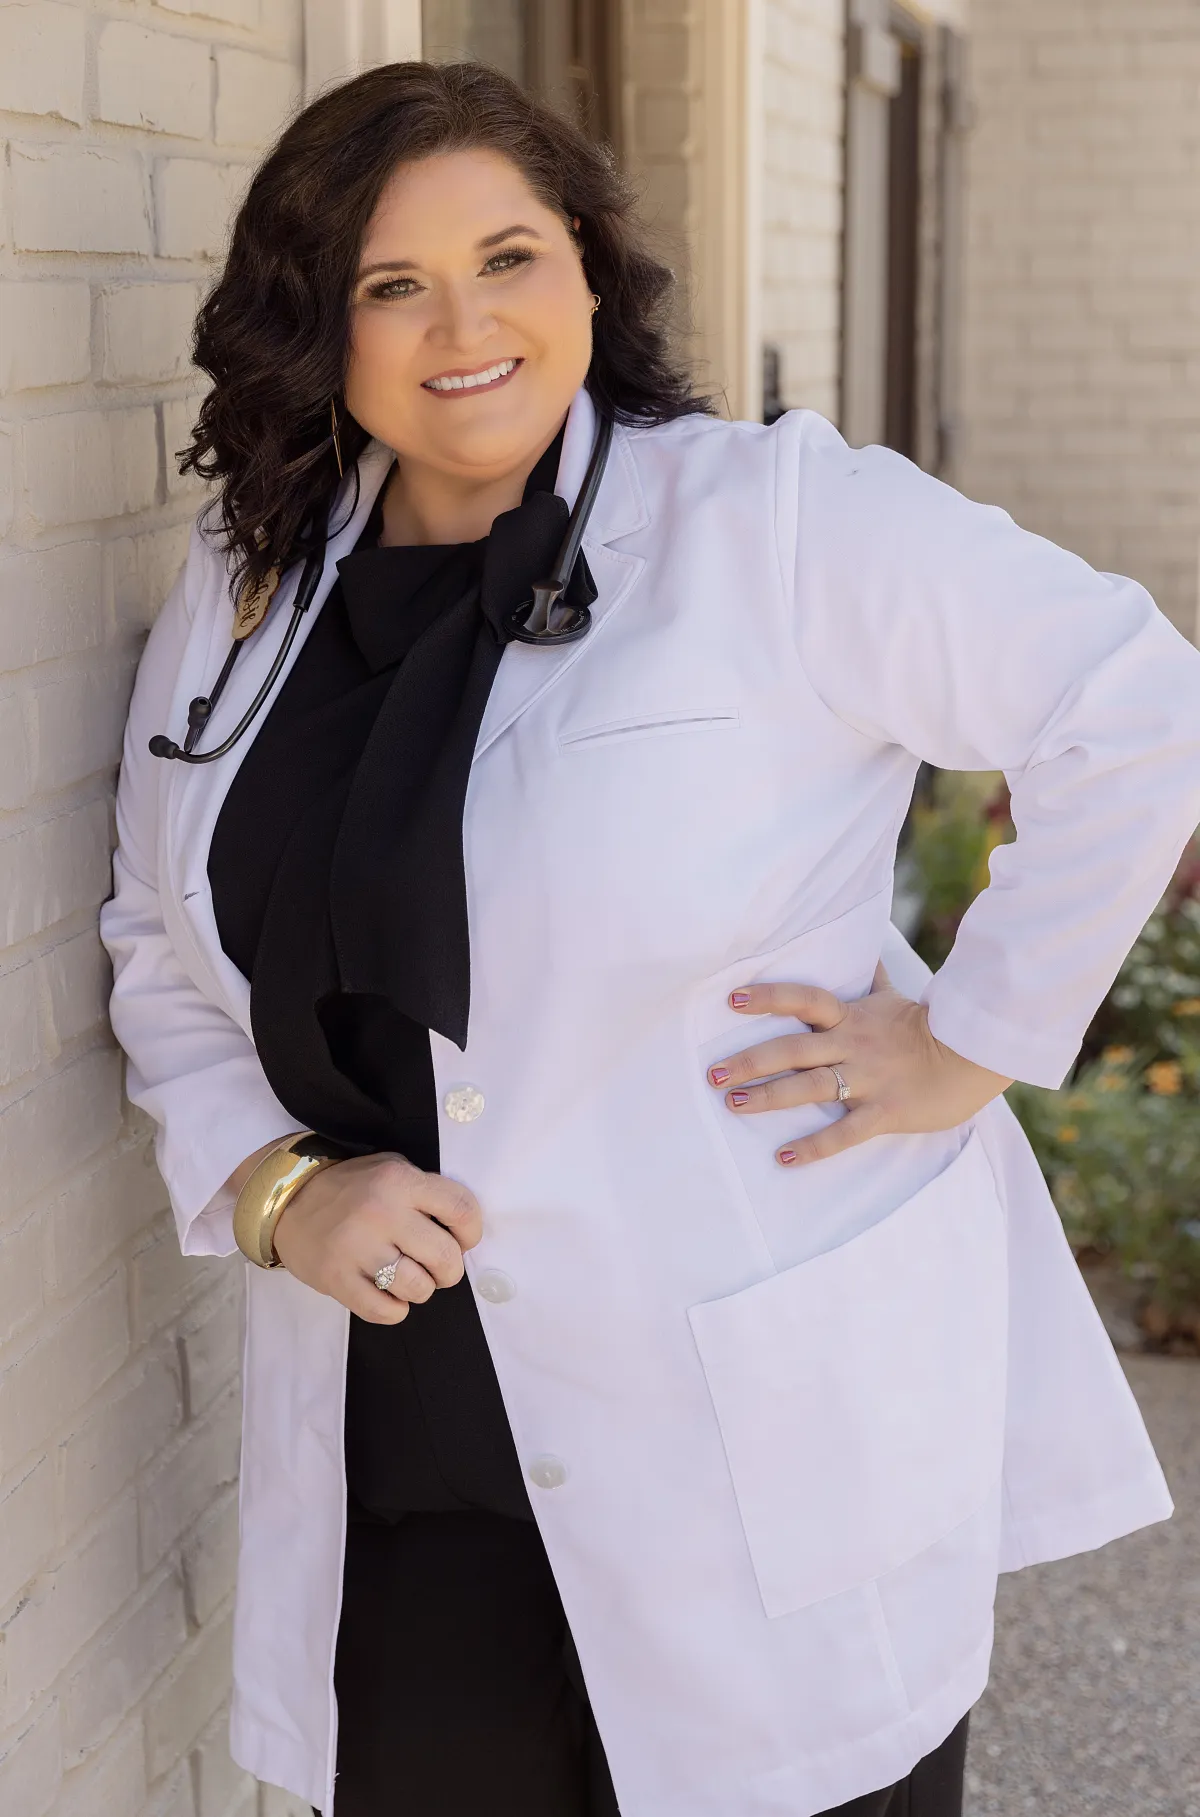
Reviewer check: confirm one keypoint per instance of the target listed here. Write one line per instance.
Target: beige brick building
(1081, 368)
(999, 275)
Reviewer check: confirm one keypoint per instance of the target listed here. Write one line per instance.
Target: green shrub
(1120, 1144)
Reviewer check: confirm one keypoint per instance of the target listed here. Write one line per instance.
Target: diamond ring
(385, 1276)
(843, 1094)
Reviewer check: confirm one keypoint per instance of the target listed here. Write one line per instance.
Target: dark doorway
(904, 245)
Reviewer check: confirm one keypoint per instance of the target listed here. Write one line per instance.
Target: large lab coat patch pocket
(861, 1394)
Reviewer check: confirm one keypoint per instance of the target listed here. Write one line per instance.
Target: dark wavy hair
(273, 333)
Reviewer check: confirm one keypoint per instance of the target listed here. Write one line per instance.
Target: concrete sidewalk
(1094, 1705)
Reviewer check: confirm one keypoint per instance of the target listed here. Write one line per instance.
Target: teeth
(499, 371)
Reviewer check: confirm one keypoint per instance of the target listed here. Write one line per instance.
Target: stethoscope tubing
(532, 624)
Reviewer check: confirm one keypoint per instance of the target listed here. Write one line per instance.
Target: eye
(510, 259)
(384, 289)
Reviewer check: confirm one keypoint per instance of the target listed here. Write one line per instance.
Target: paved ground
(1094, 1705)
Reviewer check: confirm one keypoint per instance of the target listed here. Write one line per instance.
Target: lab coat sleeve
(929, 622)
(190, 1066)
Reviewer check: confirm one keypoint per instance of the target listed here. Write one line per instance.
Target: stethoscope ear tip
(162, 746)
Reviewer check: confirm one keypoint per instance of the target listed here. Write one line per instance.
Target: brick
(1082, 192)
(42, 60)
(186, 1478)
(52, 870)
(221, 1785)
(7, 482)
(67, 1607)
(31, 1767)
(180, 1707)
(101, 1210)
(45, 333)
(57, 1374)
(210, 1559)
(164, 1280)
(120, 1433)
(21, 1277)
(16, 782)
(115, 1673)
(90, 464)
(144, 569)
(255, 96)
(232, 12)
(194, 204)
(110, 1782)
(77, 722)
(146, 331)
(278, 1803)
(211, 1342)
(28, 1523)
(78, 979)
(154, 80)
(68, 199)
(174, 1797)
(53, 603)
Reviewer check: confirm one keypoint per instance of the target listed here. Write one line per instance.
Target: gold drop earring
(595, 302)
(337, 446)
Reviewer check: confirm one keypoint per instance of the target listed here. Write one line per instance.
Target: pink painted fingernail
(739, 999)
(739, 1097)
(718, 1074)
(786, 1156)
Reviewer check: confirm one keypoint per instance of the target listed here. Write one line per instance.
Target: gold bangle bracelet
(271, 1187)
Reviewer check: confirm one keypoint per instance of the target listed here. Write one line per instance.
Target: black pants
(459, 1690)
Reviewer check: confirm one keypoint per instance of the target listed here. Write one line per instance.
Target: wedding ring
(843, 1093)
(385, 1276)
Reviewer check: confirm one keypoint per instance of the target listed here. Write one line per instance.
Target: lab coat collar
(525, 672)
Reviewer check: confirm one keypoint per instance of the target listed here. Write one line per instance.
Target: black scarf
(365, 926)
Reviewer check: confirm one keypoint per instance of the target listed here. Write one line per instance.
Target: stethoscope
(546, 619)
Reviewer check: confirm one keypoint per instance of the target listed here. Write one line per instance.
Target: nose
(463, 319)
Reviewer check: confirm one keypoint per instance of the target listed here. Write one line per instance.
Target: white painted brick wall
(1081, 381)
(154, 79)
(804, 82)
(127, 129)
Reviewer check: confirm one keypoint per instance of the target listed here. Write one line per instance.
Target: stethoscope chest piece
(533, 622)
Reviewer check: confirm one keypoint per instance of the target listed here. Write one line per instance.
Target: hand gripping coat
(783, 1428)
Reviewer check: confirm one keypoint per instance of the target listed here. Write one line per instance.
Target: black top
(337, 876)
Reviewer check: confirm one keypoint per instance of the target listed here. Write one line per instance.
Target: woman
(672, 1336)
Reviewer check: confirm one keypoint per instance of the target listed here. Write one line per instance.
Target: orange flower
(1117, 1056)
(1068, 1133)
(1165, 1077)
(1189, 1006)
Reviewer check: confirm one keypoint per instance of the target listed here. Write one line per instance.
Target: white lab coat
(783, 1427)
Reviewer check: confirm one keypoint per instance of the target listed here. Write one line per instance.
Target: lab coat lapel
(527, 672)
(193, 794)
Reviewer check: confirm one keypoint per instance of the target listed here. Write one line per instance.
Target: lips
(452, 384)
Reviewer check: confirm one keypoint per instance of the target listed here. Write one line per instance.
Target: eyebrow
(492, 239)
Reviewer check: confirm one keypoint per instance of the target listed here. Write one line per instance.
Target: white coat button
(494, 1285)
(463, 1103)
(547, 1472)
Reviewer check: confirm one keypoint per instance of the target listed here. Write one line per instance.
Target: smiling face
(471, 319)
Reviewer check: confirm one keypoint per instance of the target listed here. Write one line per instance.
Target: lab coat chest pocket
(860, 1394)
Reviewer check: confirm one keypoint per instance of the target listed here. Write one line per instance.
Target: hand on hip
(876, 1055)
